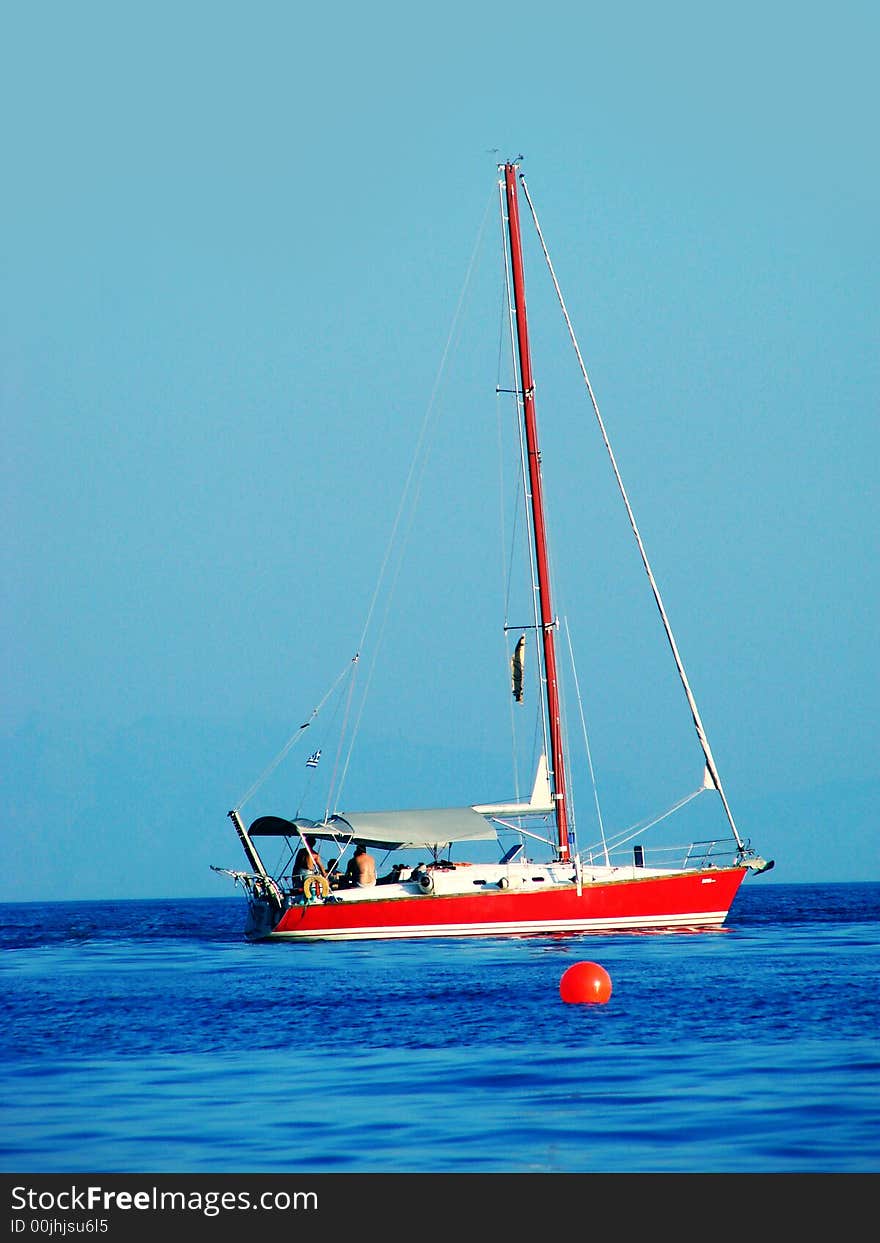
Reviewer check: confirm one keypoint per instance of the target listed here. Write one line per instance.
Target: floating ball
(585, 981)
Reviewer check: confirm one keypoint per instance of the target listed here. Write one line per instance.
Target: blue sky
(233, 241)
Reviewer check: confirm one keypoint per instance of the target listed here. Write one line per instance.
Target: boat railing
(717, 852)
(721, 852)
(257, 888)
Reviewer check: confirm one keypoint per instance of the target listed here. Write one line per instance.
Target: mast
(536, 501)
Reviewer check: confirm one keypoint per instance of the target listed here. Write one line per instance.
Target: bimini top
(390, 830)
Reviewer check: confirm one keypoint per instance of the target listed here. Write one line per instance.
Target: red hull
(684, 900)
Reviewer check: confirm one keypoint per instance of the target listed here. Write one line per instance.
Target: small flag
(312, 761)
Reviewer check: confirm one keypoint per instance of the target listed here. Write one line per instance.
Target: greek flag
(312, 761)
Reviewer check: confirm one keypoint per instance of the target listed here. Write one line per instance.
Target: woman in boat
(308, 861)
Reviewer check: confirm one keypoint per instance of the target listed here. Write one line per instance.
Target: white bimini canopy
(396, 830)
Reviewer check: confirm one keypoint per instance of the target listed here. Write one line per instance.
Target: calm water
(149, 1037)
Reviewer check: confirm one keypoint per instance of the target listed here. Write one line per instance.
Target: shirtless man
(362, 869)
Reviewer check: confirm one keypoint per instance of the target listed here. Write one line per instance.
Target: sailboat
(295, 896)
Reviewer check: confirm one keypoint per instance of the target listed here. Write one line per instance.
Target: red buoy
(585, 981)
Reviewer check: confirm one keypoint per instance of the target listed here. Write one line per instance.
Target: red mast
(548, 624)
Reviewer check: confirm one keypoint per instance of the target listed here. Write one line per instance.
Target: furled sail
(517, 667)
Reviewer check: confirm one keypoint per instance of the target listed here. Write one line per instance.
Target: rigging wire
(625, 835)
(409, 498)
(571, 784)
(506, 564)
(330, 731)
(338, 757)
(505, 385)
(587, 743)
(701, 733)
(267, 772)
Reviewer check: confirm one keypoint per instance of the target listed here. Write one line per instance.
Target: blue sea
(148, 1036)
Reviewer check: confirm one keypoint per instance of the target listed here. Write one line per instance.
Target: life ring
(425, 882)
(315, 887)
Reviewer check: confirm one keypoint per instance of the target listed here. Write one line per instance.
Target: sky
(234, 241)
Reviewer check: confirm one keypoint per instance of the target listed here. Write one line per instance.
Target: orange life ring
(315, 887)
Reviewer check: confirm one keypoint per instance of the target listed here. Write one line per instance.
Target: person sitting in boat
(308, 861)
(361, 872)
(399, 872)
(334, 876)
